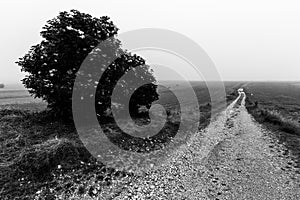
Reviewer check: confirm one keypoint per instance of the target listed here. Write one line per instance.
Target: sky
(247, 40)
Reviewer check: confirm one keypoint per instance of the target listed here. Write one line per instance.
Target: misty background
(247, 41)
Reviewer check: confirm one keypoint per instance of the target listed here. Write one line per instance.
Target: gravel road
(234, 158)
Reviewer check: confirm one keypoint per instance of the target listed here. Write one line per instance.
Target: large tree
(67, 39)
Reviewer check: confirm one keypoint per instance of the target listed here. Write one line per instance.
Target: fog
(257, 40)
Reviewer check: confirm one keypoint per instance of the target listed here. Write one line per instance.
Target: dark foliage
(52, 64)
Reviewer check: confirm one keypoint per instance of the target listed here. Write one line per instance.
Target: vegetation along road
(238, 160)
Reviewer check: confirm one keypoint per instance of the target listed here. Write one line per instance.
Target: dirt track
(234, 158)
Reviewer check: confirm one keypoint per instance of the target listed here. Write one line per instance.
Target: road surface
(238, 160)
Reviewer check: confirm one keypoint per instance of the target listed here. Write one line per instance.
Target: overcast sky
(253, 40)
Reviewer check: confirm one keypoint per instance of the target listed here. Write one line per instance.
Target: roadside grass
(283, 97)
(273, 117)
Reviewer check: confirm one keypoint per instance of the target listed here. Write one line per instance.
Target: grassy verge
(272, 117)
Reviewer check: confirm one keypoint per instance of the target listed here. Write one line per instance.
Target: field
(20, 99)
(43, 157)
(283, 97)
(277, 106)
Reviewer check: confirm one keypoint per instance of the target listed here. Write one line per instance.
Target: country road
(234, 158)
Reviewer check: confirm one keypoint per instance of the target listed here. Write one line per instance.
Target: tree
(52, 64)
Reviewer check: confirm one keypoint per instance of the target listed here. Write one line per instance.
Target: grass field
(15, 96)
(277, 106)
(283, 97)
(43, 157)
(20, 99)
